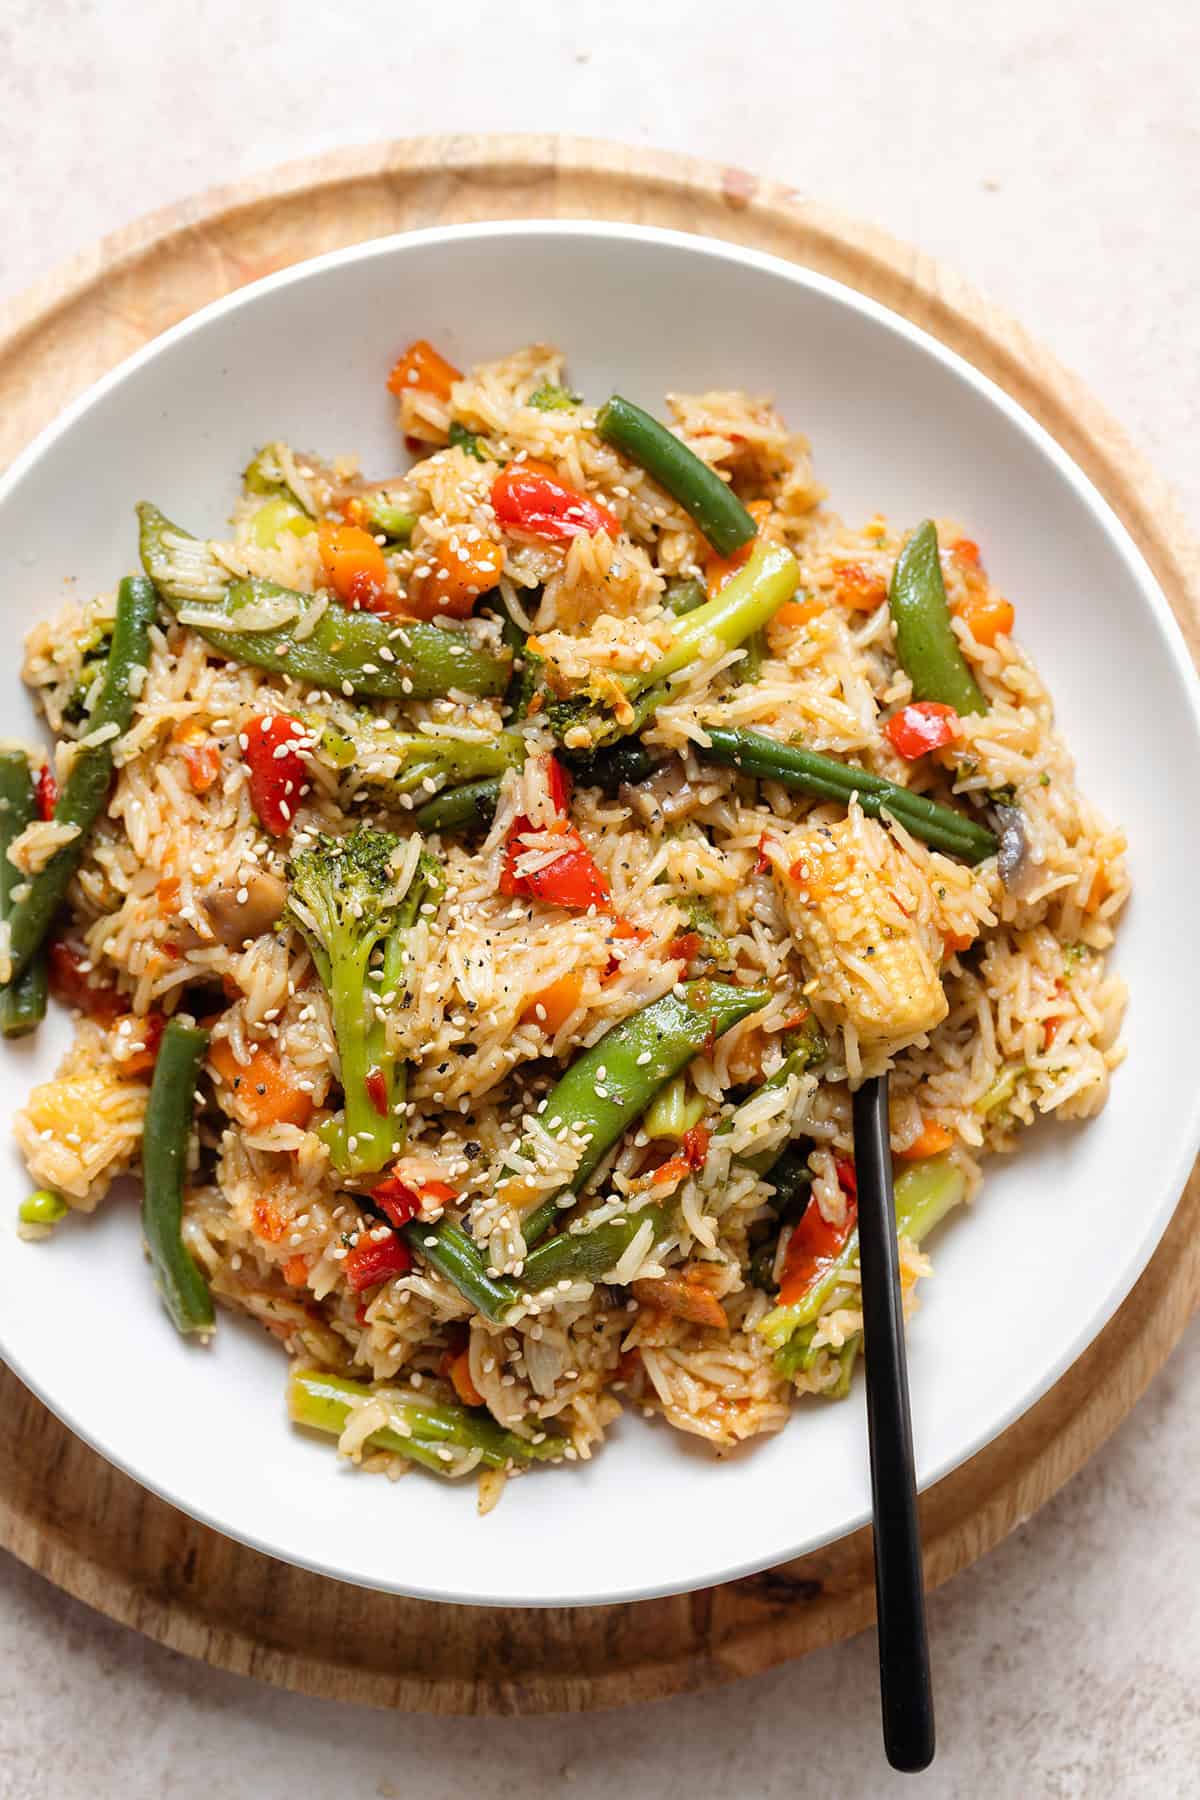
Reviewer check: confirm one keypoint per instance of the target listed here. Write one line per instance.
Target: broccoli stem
(342, 898)
(395, 763)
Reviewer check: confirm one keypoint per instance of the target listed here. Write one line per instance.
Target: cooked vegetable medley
(479, 889)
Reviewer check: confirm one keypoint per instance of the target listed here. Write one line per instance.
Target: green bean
(345, 651)
(23, 1001)
(165, 1136)
(460, 808)
(325, 1403)
(827, 779)
(699, 490)
(925, 642)
(45, 1207)
(523, 681)
(83, 792)
(924, 1194)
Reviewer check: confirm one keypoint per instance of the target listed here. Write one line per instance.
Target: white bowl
(898, 424)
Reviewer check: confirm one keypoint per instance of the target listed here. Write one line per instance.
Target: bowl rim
(1121, 544)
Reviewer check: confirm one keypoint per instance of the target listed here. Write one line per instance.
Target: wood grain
(66, 1512)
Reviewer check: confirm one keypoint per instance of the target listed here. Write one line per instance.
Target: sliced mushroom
(1014, 862)
(682, 1297)
(238, 911)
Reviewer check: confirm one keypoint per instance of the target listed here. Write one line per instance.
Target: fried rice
(175, 909)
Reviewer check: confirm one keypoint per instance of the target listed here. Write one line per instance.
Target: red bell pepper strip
(572, 880)
(400, 1200)
(69, 969)
(695, 1145)
(813, 1245)
(529, 497)
(46, 792)
(924, 726)
(277, 772)
(373, 1260)
(375, 1083)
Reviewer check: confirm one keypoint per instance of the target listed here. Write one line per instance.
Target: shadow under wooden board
(66, 1512)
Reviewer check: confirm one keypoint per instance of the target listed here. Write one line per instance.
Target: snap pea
(165, 1136)
(325, 1402)
(699, 490)
(925, 642)
(598, 1108)
(84, 790)
(824, 777)
(610, 1086)
(277, 515)
(23, 1001)
(674, 1110)
(346, 651)
(587, 1255)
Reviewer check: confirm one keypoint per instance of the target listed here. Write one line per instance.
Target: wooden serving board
(65, 1511)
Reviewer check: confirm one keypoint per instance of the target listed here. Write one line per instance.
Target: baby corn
(872, 971)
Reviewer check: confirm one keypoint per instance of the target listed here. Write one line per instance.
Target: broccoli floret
(95, 657)
(342, 895)
(550, 397)
(610, 768)
(467, 441)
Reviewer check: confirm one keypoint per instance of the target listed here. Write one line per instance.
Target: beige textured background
(1052, 153)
